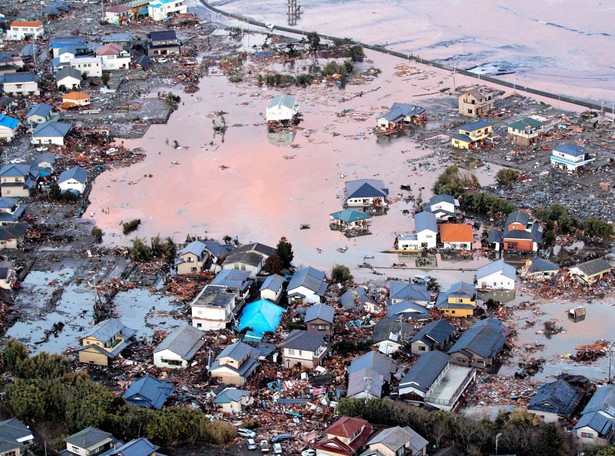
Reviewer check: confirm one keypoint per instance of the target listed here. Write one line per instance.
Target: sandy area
(557, 45)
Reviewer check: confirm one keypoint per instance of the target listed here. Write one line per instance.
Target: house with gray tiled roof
(272, 288)
(39, 113)
(554, 400)
(433, 336)
(390, 334)
(192, 258)
(401, 115)
(539, 269)
(425, 235)
(442, 206)
(104, 342)
(591, 271)
(376, 367)
(50, 133)
(319, 318)
(214, 307)
(178, 348)
(235, 364)
(480, 345)
(357, 300)
(397, 441)
(307, 285)
(148, 392)
(233, 400)
(305, 348)
(597, 423)
(401, 291)
(137, 447)
(91, 441)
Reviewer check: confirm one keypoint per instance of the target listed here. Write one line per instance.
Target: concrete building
(21, 30)
(159, 10)
(213, 308)
(475, 103)
(570, 157)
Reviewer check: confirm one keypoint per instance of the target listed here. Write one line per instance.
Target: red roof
(346, 426)
(456, 232)
(26, 24)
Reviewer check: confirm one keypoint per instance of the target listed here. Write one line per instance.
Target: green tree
(596, 228)
(506, 176)
(13, 354)
(140, 252)
(356, 53)
(340, 274)
(97, 234)
(285, 252)
(164, 251)
(314, 42)
(26, 399)
(453, 181)
(608, 451)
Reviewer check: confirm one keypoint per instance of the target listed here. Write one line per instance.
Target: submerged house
(592, 271)
(350, 222)
(282, 109)
(472, 135)
(400, 116)
(366, 193)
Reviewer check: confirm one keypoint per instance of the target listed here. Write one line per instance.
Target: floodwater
(556, 45)
(195, 182)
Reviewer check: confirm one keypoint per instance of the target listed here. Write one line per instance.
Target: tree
(97, 234)
(340, 274)
(596, 228)
(506, 176)
(273, 265)
(314, 42)
(14, 353)
(453, 181)
(608, 451)
(285, 252)
(356, 53)
(140, 252)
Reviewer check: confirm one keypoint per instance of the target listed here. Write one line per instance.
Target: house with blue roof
(73, 180)
(433, 379)
(137, 447)
(408, 310)
(570, 157)
(402, 291)
(148, 392)
(597, 423)
(357, 300)
(10, 210)
(554, 400)
(472, 135)
(233, 400)
(319, 318)
(272, 288)
(51, 133)
(400, 116)
(458, 301)
(539, 269)
(366, 193)
(39, 113)
(350, 222)
(17, 180)
(76, 43)
(304, 347)
(307, 286)
(282, 108)
(480, 345)
(435, 335)
(444, 206)
(8, 127)
(497, 275)
(376, 367)
(425, 235)
(235, 364)
(260, 317)
(15, 84)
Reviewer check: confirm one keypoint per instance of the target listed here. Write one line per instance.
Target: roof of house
(247, 258)
(274, 282)
(346, 427)
(13, 429)
(148, 392)
(237, 351)
(63, 41)
(525, 123)
(137, 447)
(321, 312)
(357, 382)
(456, 232)
(390, 328)
(299, 339)
(52, 130)
(107, 329)
(77, 173)
(352, 295)
(494, 236)
(259, 248)
(163, 35)
(40, 109)
(518, 234)
(18, 77)
(184, 342)
(425, 370)
(570, 149)
(409, 309)
(507, 270)
(117, 8)
(401, 110)
(482, 339)
(408, 291)
(215, 296)
(343, 426)
(26, 23)
(8, 202)
(437, 331)
(425, 221)
(8, 122)
(286, 101)
(233, 278)
(217, 249)
(13, 230)
(396, 438)
(70, 72)
(76, 96)
(88, 437)
(310, 278)
(109, 49)
(517, 217)
(474, 92)
(476, 125)
(556, 397)
(376, 361)
(15, 170)
(229, 395)
(461, 289)
(195, 247)
(461, 137)
(590, 268)
(349, 215)
(599, 413)
(261, 316)
(541, 265)
(242, 353)
(366, 188)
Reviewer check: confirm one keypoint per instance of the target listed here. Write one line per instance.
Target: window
(453, 312)
(422, 348)
(75, 449)
(171, 362)
(587, 435)
(322, 327)
(291, 352)
(470, 111)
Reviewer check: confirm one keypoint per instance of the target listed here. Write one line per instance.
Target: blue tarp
(261, 316)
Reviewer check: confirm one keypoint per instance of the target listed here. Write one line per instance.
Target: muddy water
(244, 186)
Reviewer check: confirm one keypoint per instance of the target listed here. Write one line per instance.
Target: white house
(426, 228)
(213, 308)
(305, 348)
(39, 113)
(118, 14)
(21, 30)
(159, 10)
(570, 157)
(178, 348)
(233, 400)
(50, 133)
(272, 288)
(496, 276)
(282, 108)
(113, 57)
(19, 84)
(73, 180)
(8, 127)
(442, 206)
(597, 423)
(68, 79)
(307, 285)
(90, 67)
(366, 193)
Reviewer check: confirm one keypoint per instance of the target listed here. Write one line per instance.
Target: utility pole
(293, 11)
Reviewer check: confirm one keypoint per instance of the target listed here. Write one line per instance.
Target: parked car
(264, 446)
(251, 444)
(277, 448)
(308, 452)
(243, 432)
(281, 438)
